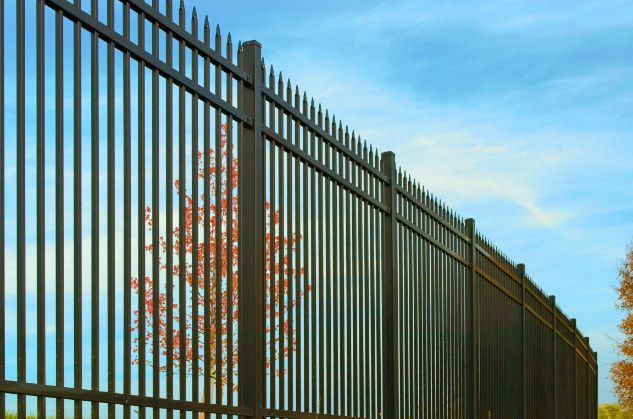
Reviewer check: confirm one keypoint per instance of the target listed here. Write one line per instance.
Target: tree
(622, 371)
(280, 276)
(612, 411)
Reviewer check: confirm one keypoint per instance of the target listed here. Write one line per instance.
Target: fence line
(218, 244)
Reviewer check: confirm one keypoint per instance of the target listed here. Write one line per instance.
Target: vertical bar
(194, 216)
(298, 290)
(251, 236)
(77, 239)
(306, 249)
(291, 257)
(366, 326)
(41, 215)
(94, 189)
(155, 220)
(169, 215)
(354, 280)
(389, 278)
(231, 303)
(330, 285)
(110, 208)
(20, 206)
(552, 299)
(321, 290)
(472, 328)
(127, 216)
(524, 366)
(141, 218)
(218, 221)
(348, 288)
(282, 254)
(59, 209)
(272, 286)
(207, 224)
(336, 285)
(378, 255)
(313, 271)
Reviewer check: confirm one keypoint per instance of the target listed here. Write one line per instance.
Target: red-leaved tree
(277, 279)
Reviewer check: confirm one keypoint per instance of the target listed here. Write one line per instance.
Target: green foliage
(612, 411)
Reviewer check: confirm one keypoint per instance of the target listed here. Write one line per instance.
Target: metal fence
(184, 232)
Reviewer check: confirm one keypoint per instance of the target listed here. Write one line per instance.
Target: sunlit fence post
(472, 326)
(251, 235)
(389, 279)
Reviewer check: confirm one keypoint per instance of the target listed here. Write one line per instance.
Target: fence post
(595, 388)
(573, 324)
(472, 327)
(251, 236)
(552, 299)
(587, 378)
(521, 272)
(389, 278)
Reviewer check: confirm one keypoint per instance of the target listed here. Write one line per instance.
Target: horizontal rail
(498, 264)
(317, 165)
(203, 49)
(496, 283)
(91, 24)
(314, 127)
(30, 389)
(431, 239)
(423, 207)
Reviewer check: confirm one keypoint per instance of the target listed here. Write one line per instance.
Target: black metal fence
(181, 231)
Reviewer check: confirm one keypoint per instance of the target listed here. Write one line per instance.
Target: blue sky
(515, 113)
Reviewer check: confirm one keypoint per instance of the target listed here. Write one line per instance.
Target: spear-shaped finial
(280, 84)
(207, 31)
(194, 23)
(181, 14)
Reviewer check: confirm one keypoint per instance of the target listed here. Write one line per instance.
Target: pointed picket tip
(297, 91)
(194, 13)
(272, 71)
(206, 22)
(182, 5)
(228, 39)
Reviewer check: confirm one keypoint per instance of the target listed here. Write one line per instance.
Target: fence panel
(183, 231)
